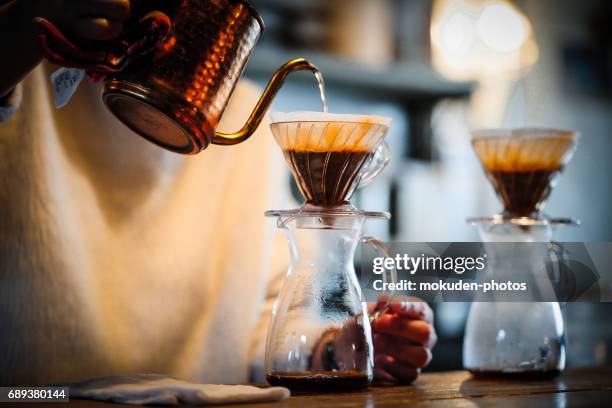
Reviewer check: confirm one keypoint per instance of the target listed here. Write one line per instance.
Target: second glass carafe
(515, 338)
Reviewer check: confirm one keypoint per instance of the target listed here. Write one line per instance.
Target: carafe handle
(275, 84)
(382, 248)
(379, 162)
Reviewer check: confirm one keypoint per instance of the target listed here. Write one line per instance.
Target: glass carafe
(320, 338)
(515, 338)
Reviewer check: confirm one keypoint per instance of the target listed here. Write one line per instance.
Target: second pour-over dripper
(523, 165)
(519, 338)
(319, 338)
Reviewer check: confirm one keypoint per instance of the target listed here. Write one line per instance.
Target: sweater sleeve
(10, 103)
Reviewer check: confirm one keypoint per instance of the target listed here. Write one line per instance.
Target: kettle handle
(275, 84)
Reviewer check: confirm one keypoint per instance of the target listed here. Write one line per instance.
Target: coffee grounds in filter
(329, 158)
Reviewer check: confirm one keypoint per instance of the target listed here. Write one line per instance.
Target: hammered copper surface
(190, 77)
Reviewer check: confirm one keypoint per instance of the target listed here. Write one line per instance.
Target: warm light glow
(501, 27)
(475, 39)
(457, 34)
(490, 42)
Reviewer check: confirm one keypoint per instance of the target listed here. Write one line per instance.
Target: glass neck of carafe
(520, 253)
(509, 232)
(326, 245)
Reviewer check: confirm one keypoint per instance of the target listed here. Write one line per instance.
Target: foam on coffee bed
(307, 116)
(328, 132)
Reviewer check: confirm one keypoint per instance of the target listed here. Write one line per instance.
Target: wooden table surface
(580, 387)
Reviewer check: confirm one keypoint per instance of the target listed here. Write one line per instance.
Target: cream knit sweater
(119, 257)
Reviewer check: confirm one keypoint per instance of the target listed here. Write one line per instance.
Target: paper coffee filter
(325, 132)
(524, 149)
(307, 116)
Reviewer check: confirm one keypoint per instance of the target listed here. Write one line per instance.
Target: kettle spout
(275, 84)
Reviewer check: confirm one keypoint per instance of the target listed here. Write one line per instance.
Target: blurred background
(440, 68)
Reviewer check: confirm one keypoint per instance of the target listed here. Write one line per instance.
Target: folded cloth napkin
(153, 389)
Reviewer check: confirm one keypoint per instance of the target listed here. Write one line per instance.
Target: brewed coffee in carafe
(321, 381)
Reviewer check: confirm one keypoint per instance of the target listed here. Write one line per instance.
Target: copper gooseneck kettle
(169, 76)
(175, 95)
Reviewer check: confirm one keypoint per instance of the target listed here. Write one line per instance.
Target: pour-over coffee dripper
(524, 339)
(523, 165)
(331, 155)
(319, 338)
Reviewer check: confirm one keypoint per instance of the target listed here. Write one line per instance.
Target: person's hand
(82, 21)
(403, 338)
(85, 20)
